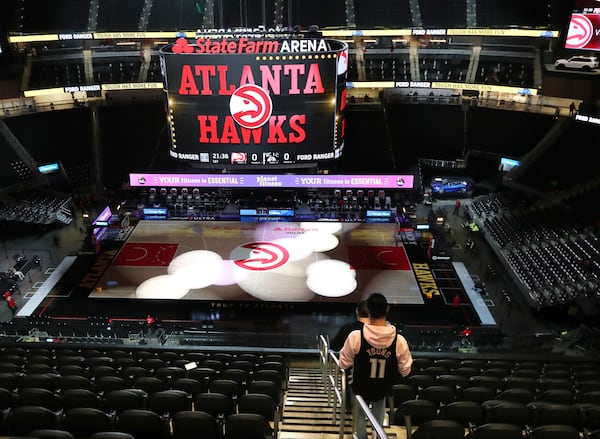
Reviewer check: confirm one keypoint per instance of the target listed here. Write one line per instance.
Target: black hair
(377, 305)
(361, 309)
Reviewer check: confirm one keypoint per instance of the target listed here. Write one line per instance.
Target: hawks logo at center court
(250, 106)
(260, 256)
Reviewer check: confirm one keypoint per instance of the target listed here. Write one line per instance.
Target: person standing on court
(378, 356)
(457, 207)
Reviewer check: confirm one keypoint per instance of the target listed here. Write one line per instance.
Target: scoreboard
(261, 102)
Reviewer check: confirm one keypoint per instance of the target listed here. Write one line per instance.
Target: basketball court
(325, 262)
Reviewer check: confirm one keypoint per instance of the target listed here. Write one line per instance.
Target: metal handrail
(364, 407)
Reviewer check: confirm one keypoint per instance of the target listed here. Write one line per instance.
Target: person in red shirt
(11, 303)
(457, 207)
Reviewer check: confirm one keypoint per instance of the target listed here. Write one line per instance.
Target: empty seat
(169, 402)
(149, 385)
(439, 429)
(414, 412)
(468, 413)
(25, 419)
(51, 433)
(508, 412)
(41, 380)
(40, 397)
(215, 404)
(109, 383)
(73, 398)
(247, 426)
(496, 431)
(124, 399)
(516, 394)
(85, 421)
(142, 424)
(188, 385)
(546, 413)
(75, 382)
(554, 432)
(477, 394)
(195, 424)
(260, 404)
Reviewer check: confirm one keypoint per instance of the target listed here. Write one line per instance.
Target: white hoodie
(378, 337)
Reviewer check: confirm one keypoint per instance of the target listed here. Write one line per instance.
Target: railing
(335, 383)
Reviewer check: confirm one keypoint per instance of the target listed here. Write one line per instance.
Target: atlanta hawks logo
(260, 256)
(581, 31)
(250, 106)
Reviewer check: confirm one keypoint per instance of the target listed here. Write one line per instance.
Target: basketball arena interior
(194, 195)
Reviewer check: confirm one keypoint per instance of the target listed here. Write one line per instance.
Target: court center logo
(581, 31)
(250, 106)
(260, 256)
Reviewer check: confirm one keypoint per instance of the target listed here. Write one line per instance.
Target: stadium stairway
(307, 413)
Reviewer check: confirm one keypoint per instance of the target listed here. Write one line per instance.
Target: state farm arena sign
(262, 102)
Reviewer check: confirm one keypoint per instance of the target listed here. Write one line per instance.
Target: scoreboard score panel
(236, 102)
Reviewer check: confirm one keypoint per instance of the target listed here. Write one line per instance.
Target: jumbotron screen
(261, 102)
(584, 26)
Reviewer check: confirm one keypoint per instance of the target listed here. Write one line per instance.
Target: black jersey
(375, 370)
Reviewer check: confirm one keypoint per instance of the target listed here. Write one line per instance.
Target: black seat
(75, 382)
(107, 384)
(546, 413)
(414, 412)
(85, 421)
(72, 369)
(498, 411)
(124, 399)
(189, 385)
(439, 429)
(268, 375)
(496, 431)
(73, 398)
(50, 433)
(247, 426)
(468, 413)
(440, 395)
(492, 382)
(399, 393)
(46, 381)
(517, 394)
(269, 388)
(25, 419)
(169, 402)
(477, 394)
(204, 375)
(240, 376)
(168, 374)
(142, 424)
(227, 387)
(131, 373)
(216, 404)
(245, 365)
(260, 404)
(40, 397)
(519, 382)
(194, 424)
(558, 396)
(149, 384)
(10, 380)
(554, 432)
(102, 370)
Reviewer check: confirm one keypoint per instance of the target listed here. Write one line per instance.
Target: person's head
(377, 306)
(361, 310)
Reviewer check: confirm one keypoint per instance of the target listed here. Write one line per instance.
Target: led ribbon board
(262, 102)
